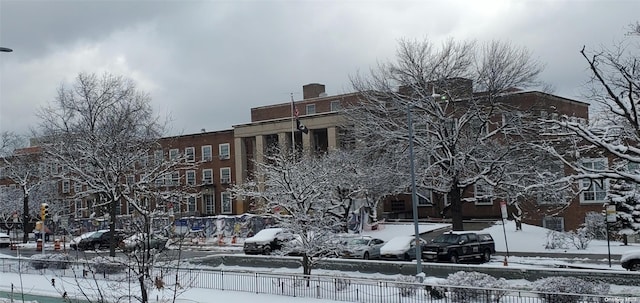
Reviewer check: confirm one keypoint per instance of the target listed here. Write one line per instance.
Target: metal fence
(339, 288)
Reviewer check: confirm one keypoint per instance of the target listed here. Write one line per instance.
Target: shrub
(557, 240)
(595, 225)
(581, 238)
(567, 289)
(473, 286)
(108, 265)
(54, 261)
(407, 285)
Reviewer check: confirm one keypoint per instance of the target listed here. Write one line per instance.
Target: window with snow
(593, 190)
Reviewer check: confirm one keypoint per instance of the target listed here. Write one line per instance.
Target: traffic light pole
(44, 213)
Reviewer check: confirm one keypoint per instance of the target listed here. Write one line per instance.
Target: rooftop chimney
(312, 90)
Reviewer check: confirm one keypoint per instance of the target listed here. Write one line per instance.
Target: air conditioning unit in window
(225, 180)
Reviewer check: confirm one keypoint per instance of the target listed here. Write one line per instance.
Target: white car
(5, 241)
(400, 248)
(363, 248)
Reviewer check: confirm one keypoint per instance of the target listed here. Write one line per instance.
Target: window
(175, 178)
(207, 176)
(173, 154)
(206, 153)
(209, 204)
(483, 193)
(226, 202)
(225, 175)
(593, 190)
(158, 156)
(77, 187)
(78, 208)
(224, 151)
(54, 169)
(191, 177)
(191, 204)
(65, 186)
(397, 206)
(311, 109)
(553, 223)
(335, 106)
(160, 180)
(424, 197)
(190, 154)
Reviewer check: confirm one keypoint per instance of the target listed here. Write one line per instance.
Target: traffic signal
(44, 211)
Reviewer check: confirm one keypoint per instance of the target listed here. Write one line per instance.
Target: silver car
(363, 248)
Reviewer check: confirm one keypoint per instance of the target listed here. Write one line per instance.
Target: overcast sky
(206, 63)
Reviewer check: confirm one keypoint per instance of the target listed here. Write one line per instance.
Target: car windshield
(446, 238)
(357, 242)
(96, 235)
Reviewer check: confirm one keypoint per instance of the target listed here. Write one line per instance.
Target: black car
(99, 239)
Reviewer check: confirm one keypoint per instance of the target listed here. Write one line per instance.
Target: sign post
(610, 217)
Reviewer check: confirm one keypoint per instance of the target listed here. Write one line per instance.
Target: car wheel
(267, 250)
(634, 266)
(96, 246)
(453, 258)
(486, 256)
(366, 255)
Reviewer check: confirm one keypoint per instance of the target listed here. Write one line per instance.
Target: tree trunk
(456, 208)
(306, 268)
(25, 218)
(143, 289)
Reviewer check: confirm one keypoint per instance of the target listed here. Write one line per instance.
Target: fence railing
(339, 288)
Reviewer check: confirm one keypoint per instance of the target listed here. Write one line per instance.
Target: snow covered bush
(474, 286)
(580, 238)
(407, 285)
(557, 240)
(567, 289)
(595, 225)
(108, 265)
(55, 261)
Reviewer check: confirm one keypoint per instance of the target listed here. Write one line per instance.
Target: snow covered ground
(531, 239)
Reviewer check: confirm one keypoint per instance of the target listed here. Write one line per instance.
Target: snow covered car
(139, 242)
(266, 241)
(74, 242)
(363, 248)
(5, 241)
(631, 260)
(400, 248)
(98, 240)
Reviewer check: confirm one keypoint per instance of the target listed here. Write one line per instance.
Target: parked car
(5, 241)
(74, 242)
(631, 260)
(266, 241)
(363, 248)
(99, 239)
(139, 242)
(400, 248)
(457, 246)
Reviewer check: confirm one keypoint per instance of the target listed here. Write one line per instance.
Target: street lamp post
(414, 196)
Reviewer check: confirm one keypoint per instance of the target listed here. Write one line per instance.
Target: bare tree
(614, 131)
(294, 190)
(459, 142)
(103, 137)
